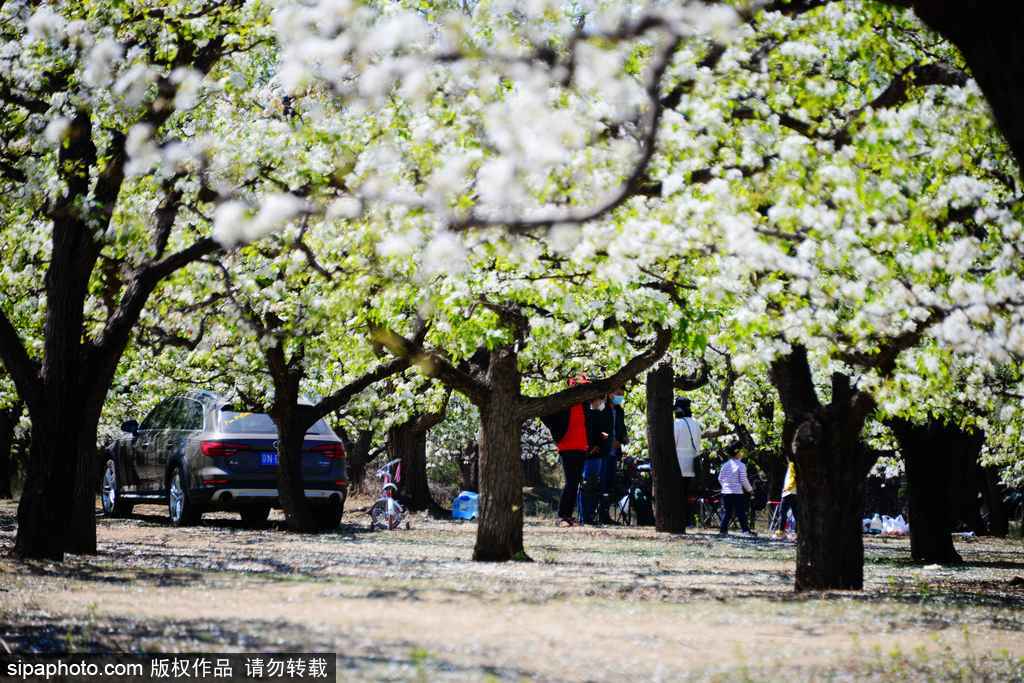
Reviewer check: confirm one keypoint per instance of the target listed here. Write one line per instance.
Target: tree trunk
(81, 539)
(929, 454)
(291, 435)
(409, 444)
(45, 503)
(667, 484)
(8, 421)
(66, 391)
(499, 535)
(994, 494)
(531, 472)
(967, 454)
(831, 465)
(830, 545)
(358, 458)
(291, 486)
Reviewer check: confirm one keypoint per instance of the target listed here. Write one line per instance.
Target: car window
(240, 421)
(192, 414)
(175, 416)
(320, 427)
(236, 422)
(157, 417)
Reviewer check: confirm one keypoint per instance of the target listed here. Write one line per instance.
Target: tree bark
(930, 456)
(294, 420)
(46, 498)
(531, 472)
(358, 458)
(81, 538)
(667, 480)
(291, 434)
(830, 545)
(408, 442)
(831, 465)
(403, 445)
(500, 529)
(291, 486)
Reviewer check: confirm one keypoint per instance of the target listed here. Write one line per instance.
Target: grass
(596, 604)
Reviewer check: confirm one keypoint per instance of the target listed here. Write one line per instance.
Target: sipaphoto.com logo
(71, 668)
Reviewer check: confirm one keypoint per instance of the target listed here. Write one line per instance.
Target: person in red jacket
(569, 430)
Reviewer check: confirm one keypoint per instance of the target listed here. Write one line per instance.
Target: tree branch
(885, 356)
(119, 324)
(791, 375)
(431, 363)
(530, 407)
(342, 396)
(24, 371)
(636, 179)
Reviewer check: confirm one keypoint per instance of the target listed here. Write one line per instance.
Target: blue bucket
(465, 505)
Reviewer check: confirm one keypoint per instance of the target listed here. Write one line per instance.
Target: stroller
(633, 499)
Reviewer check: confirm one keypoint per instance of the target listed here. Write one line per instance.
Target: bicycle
(387, 512)
(633, 498)
(709, 511)
(775, 521)
(708, 507)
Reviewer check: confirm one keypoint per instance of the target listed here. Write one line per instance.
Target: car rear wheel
(181, 509)
(114, 505)
(255, 515)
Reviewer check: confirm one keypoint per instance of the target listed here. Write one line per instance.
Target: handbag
(697, 465)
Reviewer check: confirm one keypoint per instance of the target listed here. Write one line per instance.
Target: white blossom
(57, 129)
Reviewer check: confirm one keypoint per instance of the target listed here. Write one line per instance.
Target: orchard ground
(596, 604)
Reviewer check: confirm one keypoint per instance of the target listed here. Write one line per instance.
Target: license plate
(268, 458)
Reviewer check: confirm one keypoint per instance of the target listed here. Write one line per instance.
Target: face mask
(618, 400)
(599, 405)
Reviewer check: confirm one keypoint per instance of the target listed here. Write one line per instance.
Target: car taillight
(220, 449)
(333, 451)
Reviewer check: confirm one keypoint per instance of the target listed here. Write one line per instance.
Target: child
(789, 500)
(733, 478)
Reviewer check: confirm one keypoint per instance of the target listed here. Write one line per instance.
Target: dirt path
(596, 605)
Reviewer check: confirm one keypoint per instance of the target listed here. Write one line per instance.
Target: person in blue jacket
(600, 426)
(610, 462)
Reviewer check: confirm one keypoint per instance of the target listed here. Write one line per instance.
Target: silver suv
(197, 452)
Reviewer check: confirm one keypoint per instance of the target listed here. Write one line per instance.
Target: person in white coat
(687, 437)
